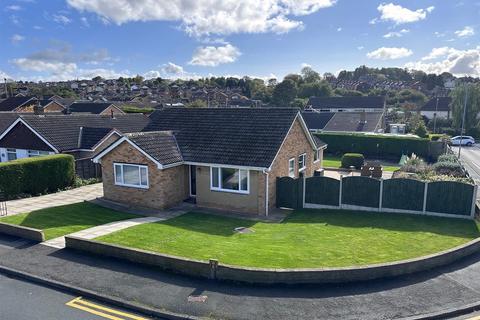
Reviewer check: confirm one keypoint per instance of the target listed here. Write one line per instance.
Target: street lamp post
(463, 120)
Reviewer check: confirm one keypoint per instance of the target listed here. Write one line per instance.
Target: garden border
(22, 232)
(217, 271)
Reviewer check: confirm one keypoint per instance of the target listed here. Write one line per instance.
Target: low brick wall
(274, 276)
(22, 232)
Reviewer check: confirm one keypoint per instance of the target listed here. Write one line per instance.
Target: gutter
(266, 171)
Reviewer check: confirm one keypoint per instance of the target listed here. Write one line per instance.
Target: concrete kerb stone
(22, 232)
(95, 295)
(263, 276)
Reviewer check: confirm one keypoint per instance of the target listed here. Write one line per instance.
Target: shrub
(448, 168)
(375, 145)
(352, 160)
(36, 175)
(448, 158)
(132, 109)
(421, 130)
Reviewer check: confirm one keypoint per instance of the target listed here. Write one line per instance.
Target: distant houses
(437, 107)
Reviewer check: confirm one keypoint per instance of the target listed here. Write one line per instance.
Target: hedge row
(375, 145)
(36, 175)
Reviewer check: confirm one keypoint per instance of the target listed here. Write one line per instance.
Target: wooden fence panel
(322, 190)
(404, 194)
(361, 191)
(450, 197)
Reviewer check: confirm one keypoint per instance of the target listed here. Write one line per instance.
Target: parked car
(462, 140)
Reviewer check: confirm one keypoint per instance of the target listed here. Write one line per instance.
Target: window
(316, 155)
(301, 162)
(229, 179)
(36, 153)
(11, 154)
(131, 175)
(291, 168)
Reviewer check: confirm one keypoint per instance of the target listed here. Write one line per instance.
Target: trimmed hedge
(353, 160)
(375, 145)
(36, 175)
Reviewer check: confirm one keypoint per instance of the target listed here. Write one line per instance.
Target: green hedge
(353, 160)
(374, 145)
(36, 175)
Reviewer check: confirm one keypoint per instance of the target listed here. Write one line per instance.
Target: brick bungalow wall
(167, 187)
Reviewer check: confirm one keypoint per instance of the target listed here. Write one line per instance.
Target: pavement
(470, 158)
(428, 292)
(61, 198)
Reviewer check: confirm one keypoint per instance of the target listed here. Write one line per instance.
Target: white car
(462, 140)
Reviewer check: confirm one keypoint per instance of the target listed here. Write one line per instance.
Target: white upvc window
(291, 168)
(301, 162)
(316, 155)
(11, 154)
(230, 179)
(36, 153)
(131, 175)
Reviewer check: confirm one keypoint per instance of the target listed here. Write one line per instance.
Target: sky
(56, 40)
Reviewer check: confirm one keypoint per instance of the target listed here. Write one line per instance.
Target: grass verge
(307, 238)
(62, 220)
(336, 162)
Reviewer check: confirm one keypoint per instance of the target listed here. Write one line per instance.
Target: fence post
(304, 188)
(474, 200)
(425, 198)
(380, 202)
(340, 192)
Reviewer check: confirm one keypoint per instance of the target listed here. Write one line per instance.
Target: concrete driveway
(61, 198)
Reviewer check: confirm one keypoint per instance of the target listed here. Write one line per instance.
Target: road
(470, 157)
(25, 300)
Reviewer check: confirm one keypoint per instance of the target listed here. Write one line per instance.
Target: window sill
(302, 169)
(230, 191)
(132, 186)
(316, 161)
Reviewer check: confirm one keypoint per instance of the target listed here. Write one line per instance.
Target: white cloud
(303, 65)
(465, 32)
(16, 38)
(445, 59)
(360, 48)
(13, 7)
(62, 19)
(399, 15)
(171, 70)
(3, 75)
(213, 56)
(204, 17)
(385, 53)
(37, 27)
(85, 22)
(339, 29)
(396, 34)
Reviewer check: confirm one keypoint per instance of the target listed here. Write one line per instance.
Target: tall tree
(473, 106)
(310, 75)
(284, 93)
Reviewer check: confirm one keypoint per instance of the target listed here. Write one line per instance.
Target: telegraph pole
(463, 120)
(6, 89)
(435, 118)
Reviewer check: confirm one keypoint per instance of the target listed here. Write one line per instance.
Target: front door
(193, 181)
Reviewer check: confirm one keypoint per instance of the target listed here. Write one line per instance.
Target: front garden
(306, 238)
(59, 221)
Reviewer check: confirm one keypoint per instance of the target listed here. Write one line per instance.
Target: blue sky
(68, 39)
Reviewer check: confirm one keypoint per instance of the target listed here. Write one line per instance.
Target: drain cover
(243, 230)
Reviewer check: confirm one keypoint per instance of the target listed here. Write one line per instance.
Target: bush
(448, 168)
(352, 160)
(375, 145)
(448, 158)
(421, 130)
(132, 109)
(37, 175)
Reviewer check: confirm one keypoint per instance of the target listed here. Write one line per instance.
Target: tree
(421, 130)
(299, 103)
(315, 89)
(284, 93)
(196, 104)
(295, 78)
(138, 79)
(310, 75)
(473, 106)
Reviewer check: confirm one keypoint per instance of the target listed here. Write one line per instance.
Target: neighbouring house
(347, 104)
(368, 122)
(437, 107)
(18, 104)
(224, 158)
(82, 135)
(102, 108)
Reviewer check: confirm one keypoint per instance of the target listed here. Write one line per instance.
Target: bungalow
(437, 107)
(223, 158)
(371, 122)
(82, 136)
(30, 104)
(347, 104)
(103, 108)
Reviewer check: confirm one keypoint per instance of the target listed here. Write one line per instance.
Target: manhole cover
(243, 230)
(197, 298)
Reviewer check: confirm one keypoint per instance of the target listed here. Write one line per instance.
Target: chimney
(38, 109)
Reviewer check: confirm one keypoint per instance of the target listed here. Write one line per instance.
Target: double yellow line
(101, 311)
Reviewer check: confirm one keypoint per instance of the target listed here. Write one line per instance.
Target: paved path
(101, 230)
(422, 293)
(61, 198)
(470, 157)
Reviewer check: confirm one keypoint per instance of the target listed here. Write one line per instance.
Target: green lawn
(307, 238)
(59, 221)
(336, 162)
